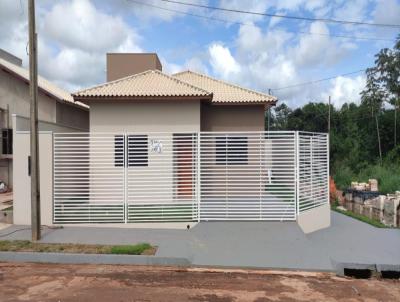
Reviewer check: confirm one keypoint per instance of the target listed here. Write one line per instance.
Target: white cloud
(86, 28)
(387, 11)
(149, 14)
(71, 51)
(312, 48)
(273, 59)
(222, 61)
(345, 89)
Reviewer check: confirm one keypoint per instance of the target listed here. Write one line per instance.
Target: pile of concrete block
(364, 199)
(384, 208)
(372, 185)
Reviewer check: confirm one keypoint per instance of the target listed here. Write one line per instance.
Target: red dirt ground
(58, 282)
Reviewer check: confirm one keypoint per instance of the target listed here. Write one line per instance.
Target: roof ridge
(224, 82)
(142, 74)
(184, 82)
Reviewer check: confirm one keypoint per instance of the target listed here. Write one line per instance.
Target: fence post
(125, 167)
(327, 165)
(297, 171)
(198, 175)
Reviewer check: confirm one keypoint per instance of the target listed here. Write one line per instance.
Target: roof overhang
(88, 100)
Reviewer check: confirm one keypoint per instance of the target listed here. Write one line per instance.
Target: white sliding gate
(153, 177)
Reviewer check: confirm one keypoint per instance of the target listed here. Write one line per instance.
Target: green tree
(384, 78)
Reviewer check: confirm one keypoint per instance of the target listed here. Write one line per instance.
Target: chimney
(120, 65)
(10, 57)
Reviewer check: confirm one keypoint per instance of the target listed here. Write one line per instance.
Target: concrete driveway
(250, 244)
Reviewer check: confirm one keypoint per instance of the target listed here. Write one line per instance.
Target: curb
(374, 268)
(65, 258)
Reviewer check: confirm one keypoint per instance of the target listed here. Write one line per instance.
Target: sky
(256, 52)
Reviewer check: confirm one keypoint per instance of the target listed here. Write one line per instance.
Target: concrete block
(373, 183)
(315, 219)
(340, 267)
(388, 267)
(390, 212)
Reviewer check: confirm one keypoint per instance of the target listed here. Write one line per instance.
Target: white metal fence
(313, 165)
(152, 177)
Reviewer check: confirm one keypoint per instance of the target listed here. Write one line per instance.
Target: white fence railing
(151, 177)
(313, 176)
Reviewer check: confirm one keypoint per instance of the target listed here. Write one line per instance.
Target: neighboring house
(55, 106)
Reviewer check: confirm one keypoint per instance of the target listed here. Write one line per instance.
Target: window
(231, 150)
(137, 151)
(119, 143)
(7, 141)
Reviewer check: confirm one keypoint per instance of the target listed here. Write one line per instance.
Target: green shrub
(388, 176)
(136, 249)
(343, 177)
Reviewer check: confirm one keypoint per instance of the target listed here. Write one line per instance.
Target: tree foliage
(354, 143)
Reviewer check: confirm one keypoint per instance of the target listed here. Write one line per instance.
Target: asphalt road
(101, 283)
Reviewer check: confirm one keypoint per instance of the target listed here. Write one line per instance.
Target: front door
(184, 150)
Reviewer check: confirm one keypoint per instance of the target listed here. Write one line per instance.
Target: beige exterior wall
(232, 117)
(120, 65)
(315, 219)
(149, 118)
(157, 116)
(22, 206)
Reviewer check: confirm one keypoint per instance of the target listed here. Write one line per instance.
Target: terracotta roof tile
(151, 83)
(224, 92)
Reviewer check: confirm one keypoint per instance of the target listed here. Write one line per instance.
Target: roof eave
(266, 103)
(88, 99)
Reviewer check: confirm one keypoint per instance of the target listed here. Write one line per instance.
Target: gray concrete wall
(72, 116)
(15, 93)
(14, 99)
(315, 219)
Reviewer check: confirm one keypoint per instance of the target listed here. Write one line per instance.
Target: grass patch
(28, 246)
(362, 218)
(137, 249)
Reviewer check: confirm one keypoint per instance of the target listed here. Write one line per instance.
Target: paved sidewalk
(251, 244)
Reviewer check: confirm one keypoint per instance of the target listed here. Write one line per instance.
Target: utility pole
(33, 92)
(395, 122)
(329, 115)
(268, 112)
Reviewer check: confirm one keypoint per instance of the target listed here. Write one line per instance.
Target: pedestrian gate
(169, 177)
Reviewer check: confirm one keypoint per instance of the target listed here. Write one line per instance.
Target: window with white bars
(119, 150)
(137, 150)
(231, 150)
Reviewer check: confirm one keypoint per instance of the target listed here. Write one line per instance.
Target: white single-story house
(180, 148)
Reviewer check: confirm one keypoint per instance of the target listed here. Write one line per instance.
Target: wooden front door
(184, 157)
